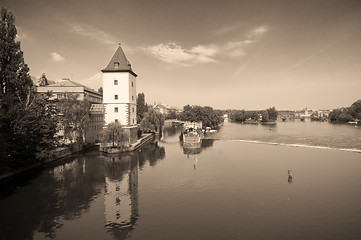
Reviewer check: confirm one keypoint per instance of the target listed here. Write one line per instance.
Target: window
(116, 120)
(116, 64)
(115, 82)
(133, 121)
(132, 97)
(133, 109)
(115, 109)
(132, 84)
(116, 97)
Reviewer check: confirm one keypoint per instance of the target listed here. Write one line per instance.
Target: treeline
(207, 115)
(342, 115)
(27, 122)
(266, 115)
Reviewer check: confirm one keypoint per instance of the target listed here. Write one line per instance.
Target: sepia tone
(204, 120)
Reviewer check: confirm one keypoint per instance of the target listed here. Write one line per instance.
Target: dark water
(228, 189)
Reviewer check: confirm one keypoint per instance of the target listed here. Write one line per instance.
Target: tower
(119, 91)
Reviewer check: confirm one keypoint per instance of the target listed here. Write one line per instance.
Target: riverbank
(132, 147)
(62, 153)
(58, 155)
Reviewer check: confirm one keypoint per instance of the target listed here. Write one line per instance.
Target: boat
(192, 135)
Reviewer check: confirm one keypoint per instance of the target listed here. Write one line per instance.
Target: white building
(119, 91)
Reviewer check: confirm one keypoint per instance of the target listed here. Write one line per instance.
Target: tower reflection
(121, 198)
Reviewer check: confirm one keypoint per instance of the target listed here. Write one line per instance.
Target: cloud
(95, 81)
(174, 53)
(226, 29)
(56, 57)
(92, 33)
(259, 31)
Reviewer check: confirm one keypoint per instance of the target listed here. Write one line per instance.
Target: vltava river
(231, 188)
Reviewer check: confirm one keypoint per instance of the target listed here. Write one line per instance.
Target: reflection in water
(67, 191)
(289, 176)
(290, 180)
(193, 149)
(121, 193)
(121, 189)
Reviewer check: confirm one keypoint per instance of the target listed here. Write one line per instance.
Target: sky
(250, 54)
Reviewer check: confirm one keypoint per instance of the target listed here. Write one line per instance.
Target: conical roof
(119, 63)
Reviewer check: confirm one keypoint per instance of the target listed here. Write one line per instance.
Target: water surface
(228, 189)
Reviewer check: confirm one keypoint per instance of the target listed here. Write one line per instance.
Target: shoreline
(64, 153)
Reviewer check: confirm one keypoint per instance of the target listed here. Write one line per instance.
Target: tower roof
(119, 63)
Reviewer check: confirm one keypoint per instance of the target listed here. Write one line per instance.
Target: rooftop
(119, 63)
(65, 82)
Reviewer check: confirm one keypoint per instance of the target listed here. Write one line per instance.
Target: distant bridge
(172, 122)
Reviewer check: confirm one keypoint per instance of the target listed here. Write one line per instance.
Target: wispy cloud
(95, 81)
(92, 33)
(56, 57)
(226, 29)
(176, 54)
(253, 37)
(313, 55)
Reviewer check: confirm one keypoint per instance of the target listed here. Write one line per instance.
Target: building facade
(65, 88)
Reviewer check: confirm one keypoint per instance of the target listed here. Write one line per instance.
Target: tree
(27, 124)
(152, 121)
(269, 114)
(352, 113)
(42, 81)
(15, 81)
(355, 110)
(114, 134)
(206, 115)
(142, 108)
(273, 114)
(74, 118)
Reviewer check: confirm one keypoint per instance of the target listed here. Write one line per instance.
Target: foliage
(42, 81)
(142, 108)
(269, 114)
(27, 122)
(74, 117)
(355, 110)
(114, 134)
(34, 127)
(342, 115)
(206, 115)
(152, 121)
(172, 114)
(15, 81)
(242, 116)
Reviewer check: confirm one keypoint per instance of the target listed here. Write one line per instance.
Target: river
(235, 187)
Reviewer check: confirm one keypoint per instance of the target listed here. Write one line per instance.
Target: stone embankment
(147, 137)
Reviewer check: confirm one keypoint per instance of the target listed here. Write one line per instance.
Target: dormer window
(116, 64)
